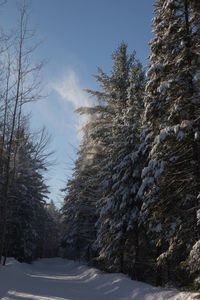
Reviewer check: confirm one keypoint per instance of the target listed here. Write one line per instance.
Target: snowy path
(50, 279)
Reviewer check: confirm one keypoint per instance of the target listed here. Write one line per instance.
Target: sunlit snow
(59, 279)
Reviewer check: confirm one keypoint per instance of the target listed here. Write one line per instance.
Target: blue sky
(77, 36)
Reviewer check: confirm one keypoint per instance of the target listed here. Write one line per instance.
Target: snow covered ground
(50, 279)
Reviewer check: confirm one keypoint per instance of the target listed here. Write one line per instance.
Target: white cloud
(70, 90)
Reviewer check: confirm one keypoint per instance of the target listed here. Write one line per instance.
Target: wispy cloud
(71, 92)
(69, 88)
(56, 111)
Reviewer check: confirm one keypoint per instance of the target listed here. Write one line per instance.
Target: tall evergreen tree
(117, 221)
(79, 209)
(51, 233)
(171, 181)
(114, 131)
(111, 119)
(27, 193)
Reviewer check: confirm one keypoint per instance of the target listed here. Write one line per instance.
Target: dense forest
(132, 204)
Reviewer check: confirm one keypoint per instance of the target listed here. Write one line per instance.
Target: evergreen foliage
(79, 209)
(111, 146)
(171, 180)
(26, 203)
(147, 139)
(133, 202)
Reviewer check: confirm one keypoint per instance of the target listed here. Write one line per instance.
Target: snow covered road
(59, 279)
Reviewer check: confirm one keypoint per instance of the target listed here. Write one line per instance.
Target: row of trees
(24, 213)
(132, 204)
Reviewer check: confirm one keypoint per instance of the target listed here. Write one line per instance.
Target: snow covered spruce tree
(51, 232)
(118, 232)
(171, 184)
(117, 132)
(26, 200)
(106, 173)
(79, 209)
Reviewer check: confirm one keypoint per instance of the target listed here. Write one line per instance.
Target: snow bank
(51, 279)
